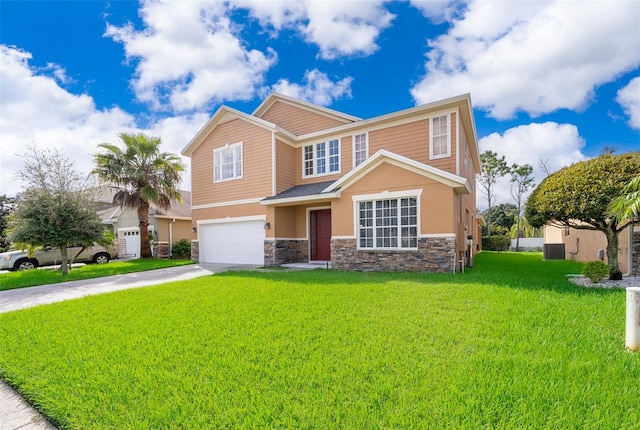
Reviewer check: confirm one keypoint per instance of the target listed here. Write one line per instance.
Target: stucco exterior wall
(435, 206)
(584, 245)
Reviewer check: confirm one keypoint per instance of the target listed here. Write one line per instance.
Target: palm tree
(141, 174)
(627, 206)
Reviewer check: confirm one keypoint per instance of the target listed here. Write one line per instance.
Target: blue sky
(554, 81)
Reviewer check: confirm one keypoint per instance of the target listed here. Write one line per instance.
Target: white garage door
(232, 242)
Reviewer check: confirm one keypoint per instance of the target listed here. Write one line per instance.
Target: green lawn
(510, 344)
(44, 276)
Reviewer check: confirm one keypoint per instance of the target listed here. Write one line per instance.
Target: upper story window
(227, 162)
(440, 137)
(360, 149)
(323, 158)
(388, 223)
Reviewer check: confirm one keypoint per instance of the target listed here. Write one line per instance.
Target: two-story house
(296, 182)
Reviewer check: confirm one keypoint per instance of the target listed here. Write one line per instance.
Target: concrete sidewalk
(15, 412)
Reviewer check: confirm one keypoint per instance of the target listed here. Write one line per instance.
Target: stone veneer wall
(635, 253)
(434, 254)
(195, 251)
(277, 252)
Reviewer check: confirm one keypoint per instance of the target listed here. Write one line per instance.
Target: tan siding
(256, 157)
(298, 120)
(411, 140)
(285, 166)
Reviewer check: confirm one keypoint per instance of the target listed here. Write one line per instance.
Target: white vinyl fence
(528, 244)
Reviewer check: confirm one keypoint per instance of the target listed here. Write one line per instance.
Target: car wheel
(101, 258)
(25, 264)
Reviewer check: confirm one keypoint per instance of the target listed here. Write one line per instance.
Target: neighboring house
(166, 227)
(296, 182)
(589, 245)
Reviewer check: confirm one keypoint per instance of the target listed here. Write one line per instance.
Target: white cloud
(557, 145)
(188, 56)
(345, 27)
(36, 111)
(338, 28)
(176, 132)
(536, 57)
(629, 99)
(437, 11)
(317, 88)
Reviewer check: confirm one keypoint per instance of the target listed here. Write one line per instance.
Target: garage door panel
(233, 242)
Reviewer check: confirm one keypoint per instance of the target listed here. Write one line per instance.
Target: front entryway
(320, 234)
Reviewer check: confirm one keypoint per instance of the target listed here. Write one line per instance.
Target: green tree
(141, 174)
(627, 206)
(493, 168)
(579, 196)
(521, 182)
(55, 209)
(502, 215)
(7, 205)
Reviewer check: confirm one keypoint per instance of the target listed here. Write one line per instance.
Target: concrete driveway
(21, 298)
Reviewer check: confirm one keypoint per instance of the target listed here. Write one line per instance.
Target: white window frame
(235, 154)
(361, 150)
(432, 136)
(376, 226)
(323, 156)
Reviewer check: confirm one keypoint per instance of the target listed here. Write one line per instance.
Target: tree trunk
(612, 249)
(64, 264)
(518, 233)
(143, 224)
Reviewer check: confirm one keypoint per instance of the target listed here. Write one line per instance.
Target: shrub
(181, 249)
(496, 243)
(595, 270)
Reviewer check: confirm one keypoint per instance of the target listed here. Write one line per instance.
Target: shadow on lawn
(506, 269)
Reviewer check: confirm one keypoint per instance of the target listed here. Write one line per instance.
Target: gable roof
(351, 123)
(225, 114)
(458, 183)
(109, 212)
(321, 110)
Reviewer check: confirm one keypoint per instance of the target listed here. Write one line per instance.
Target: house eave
(225, 114)
(458, 183)
(294, 201)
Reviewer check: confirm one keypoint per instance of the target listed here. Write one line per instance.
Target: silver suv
(19, 260)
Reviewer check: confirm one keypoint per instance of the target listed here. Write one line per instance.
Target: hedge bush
(181, 249)
(595, 270)
(496, 243)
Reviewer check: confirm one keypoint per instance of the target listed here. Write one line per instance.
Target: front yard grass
(510, 344)
(44, 276)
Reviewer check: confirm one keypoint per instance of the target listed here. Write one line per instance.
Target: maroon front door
(320, 229)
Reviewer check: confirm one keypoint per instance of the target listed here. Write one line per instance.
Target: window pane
(308, 160)
(439, 136)
(334, 155)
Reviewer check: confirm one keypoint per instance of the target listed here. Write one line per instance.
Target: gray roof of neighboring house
(103, 197)
(301, 191)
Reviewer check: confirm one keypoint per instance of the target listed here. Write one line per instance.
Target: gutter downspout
(171, 235)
